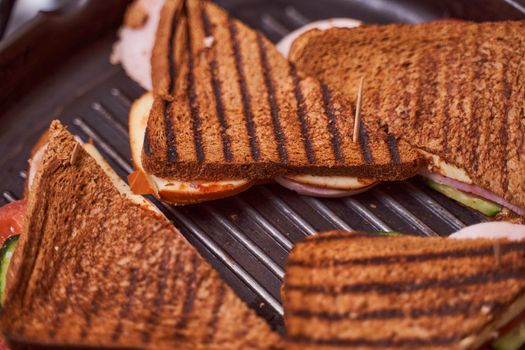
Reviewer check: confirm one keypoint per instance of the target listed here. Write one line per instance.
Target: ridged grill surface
(247, 237)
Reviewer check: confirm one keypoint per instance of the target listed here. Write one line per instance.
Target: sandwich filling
(443, 173)
(322, 186)
(175, 191)
(497, 333)
(170, 190)
(326, 186)
(511, 326)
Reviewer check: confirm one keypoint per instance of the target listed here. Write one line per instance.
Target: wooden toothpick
(74, 154)
(357, 117)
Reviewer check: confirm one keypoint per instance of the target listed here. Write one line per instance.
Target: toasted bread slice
(96, 268)
(452, 89)
(230, 106)
(172, 191)
(365, 291)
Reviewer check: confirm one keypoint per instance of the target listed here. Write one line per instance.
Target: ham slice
(133, 50)
(473, 189)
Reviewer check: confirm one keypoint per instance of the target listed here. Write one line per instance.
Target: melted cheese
(438, 165)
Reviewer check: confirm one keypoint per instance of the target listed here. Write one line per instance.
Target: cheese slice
(437, 165)
(333, 182)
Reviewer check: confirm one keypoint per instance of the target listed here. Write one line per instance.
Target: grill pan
(57, 67)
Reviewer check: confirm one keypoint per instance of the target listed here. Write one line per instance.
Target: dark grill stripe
(192, 284)
(385, 260)
(217, 92)
(394, 151)
(447, 101)
(170, 134)
(446, 119)
(446, 309)
(171, 56)
(340, 237)
(62, 305)
(484, 277)
(379, 343)
(246, 103)
(193, 101)
(92, 312)
(475, 119)
(60, 309)
(146, 145)
(274, 108)
(123, 314)
(53, 274)
(244, 319)
(177, 270)
(168, 124)
(301, 114)
(332, 123)
(423, 88)
(363, 142)
(215, 313)
(158, 302)
(504, 133)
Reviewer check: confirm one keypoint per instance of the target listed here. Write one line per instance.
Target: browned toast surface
(453, 89)
(229, 105)
(95, 269)
(364, 291)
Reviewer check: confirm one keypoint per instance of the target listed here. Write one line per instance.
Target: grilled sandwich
(453, 90)
(97, 266)
(364, 291)
(228, 106)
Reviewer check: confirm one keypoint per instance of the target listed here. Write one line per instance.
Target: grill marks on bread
(432, 292)
(243, 86)
(451, 89)
(114, 274)
(274, 107)
(442, 310)
(301, 115)
(217, 91)
(165, 52)
(482, 251)
(252, 115)
(332, 123)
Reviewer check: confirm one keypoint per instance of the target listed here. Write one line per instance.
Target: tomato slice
(11, 219)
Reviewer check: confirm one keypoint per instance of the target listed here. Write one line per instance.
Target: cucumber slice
(481, 205)
(513, 340)
(6, 252)
(390, 233)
